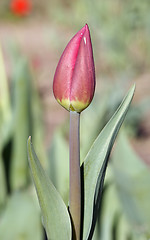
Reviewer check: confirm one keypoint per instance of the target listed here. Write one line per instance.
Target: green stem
(75, 182)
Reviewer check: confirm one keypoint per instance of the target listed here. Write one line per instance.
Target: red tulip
(20, 7)
(74, 80)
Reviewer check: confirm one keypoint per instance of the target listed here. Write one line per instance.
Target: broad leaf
(123, 231)
(95, 164)
(21, 105)
(59, 164)
(5, 117)
(132, 177)
(3, 192)
(55, 215)
(97, 110)
(20, 220)
(5, 112)
(108, 213)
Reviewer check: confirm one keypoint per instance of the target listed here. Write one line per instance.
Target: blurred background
(33, 35)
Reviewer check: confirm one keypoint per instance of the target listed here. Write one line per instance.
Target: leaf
(59, 164)
(21, 219)
(3, 191)
(55, 215)
(98, 111)
(108, 213)
(5, 111)
(104, 225)
(95, 164)
(5, 117)
(5, 108)
(111, 223)
(132, 177)
(123, 231)
(21, 124)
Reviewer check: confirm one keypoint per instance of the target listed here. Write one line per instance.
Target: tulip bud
(74, 80)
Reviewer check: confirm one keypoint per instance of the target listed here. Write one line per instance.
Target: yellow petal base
(75, 106)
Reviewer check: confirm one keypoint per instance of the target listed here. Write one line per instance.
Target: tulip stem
(75, 181)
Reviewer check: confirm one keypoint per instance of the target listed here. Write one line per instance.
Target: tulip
(74, 80)
(73, 87)
(20, 7)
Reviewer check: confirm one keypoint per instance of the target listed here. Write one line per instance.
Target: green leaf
(55, 215)
(111, 223)
(123, 231)
(3, 191)
(21, 119)
(5, 108)
(104, 225)
(59, 164)
(95, 164)
(132, 177)
(21, 218)
(108, 213)
(98, 111)
(5, 117)
(5, 111)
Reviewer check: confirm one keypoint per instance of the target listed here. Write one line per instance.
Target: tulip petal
(74, 80)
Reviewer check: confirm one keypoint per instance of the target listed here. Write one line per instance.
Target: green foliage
(124, 211)
(58, 164)
(95, 165)
(55, 215)
(53, 209)
(21, 216)
(111, 221)
(21, 110)
(18, 211)
(5, 116)
(122, 44)
(2, 183)
(132, 178)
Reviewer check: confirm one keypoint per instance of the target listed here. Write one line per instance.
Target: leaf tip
(29, 139)
(133, 88)
(29, 143)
